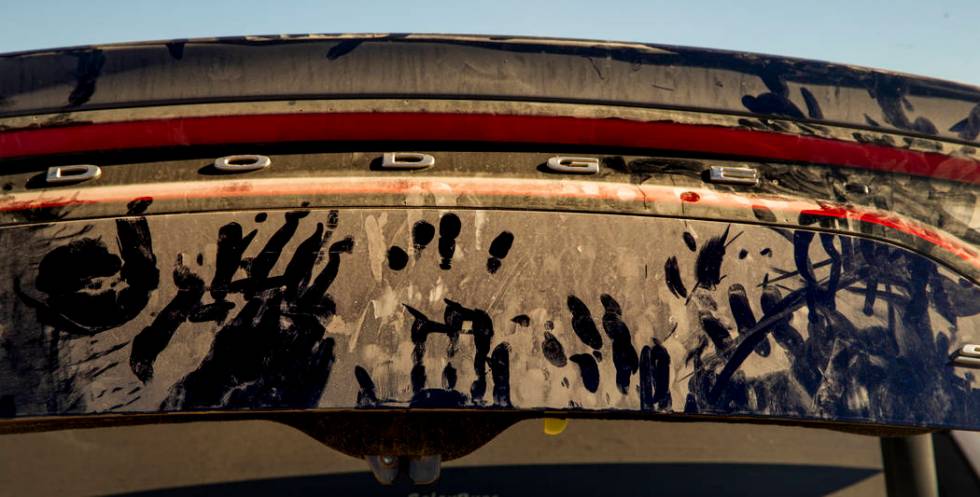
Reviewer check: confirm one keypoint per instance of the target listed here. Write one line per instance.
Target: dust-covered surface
(481, 67)
(468, 308)
(932, 216)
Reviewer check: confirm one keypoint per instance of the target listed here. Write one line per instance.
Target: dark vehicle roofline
(257, 68)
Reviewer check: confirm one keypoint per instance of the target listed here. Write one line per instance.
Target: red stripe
(962, 251)
(485, 128)
(336, 188)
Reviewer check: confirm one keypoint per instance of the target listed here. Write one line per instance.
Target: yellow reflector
(554, 426)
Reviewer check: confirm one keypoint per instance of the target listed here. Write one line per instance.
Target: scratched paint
(316, 308)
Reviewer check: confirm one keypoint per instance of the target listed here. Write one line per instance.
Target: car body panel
(835, 289)
(454, 308)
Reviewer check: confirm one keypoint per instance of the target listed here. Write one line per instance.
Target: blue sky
(939, 38)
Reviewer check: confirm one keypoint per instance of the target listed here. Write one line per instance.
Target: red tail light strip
(481, 128)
